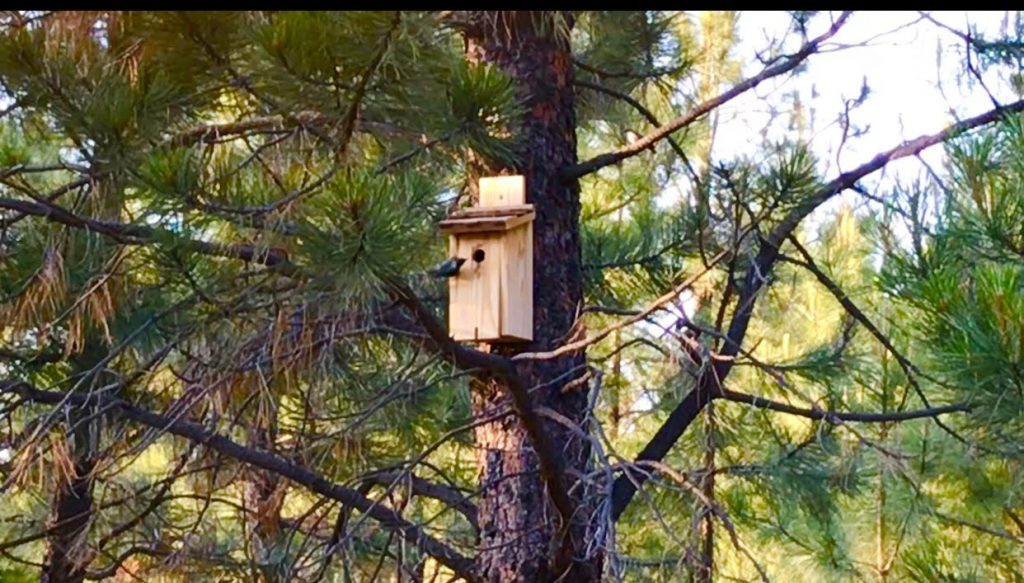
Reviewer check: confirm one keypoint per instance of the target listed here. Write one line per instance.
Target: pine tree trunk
(67, 555)
(519, 526)
(65, 558)
(706, 557)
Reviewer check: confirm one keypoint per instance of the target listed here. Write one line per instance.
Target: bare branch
(636, 317)
(348, 123)
(840, 416)
(626, 485)
(50, 197)
(264, 460)
(644, 75)
(978, 527)
(712, 507)
(904, 150)
(127, 234)
(212, 133)
(598, 162)
(421, 487)
(648, 115)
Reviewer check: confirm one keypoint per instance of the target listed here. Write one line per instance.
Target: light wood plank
(502, 190)
(474, 311)
(483, 224)
(517, 284)
(494, 211)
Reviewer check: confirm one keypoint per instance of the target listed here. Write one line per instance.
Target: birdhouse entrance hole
(492, 301)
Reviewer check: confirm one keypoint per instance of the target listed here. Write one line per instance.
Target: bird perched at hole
(449, 268)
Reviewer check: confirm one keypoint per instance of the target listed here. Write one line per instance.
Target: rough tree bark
(519, 527)
(67, 556)
(704, 573)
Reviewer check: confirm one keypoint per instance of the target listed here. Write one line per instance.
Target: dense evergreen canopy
(222, 357)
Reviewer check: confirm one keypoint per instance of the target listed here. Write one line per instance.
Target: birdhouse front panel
(474, 295)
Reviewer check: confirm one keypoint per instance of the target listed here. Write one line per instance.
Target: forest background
(779, 297)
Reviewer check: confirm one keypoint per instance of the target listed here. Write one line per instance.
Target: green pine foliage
(325, 148)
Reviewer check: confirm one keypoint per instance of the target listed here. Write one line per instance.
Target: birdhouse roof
(487, 219)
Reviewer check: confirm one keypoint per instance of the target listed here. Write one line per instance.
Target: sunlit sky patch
(912, 68)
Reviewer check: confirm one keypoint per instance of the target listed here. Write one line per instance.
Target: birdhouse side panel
(474, 306)
(517, 284)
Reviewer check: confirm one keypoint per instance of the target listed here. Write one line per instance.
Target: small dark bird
(449, 268)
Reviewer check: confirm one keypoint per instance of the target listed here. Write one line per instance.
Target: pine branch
(348, 122)
(904, 150)
(647, 115)
(386, 517)
(844, 300)
(598, 162)
(633, 319)
(127, 234)
(421, 487)
(840, 416)
(643, 75)
(710, 383)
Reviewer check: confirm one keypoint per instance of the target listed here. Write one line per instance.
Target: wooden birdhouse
(490, 299)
